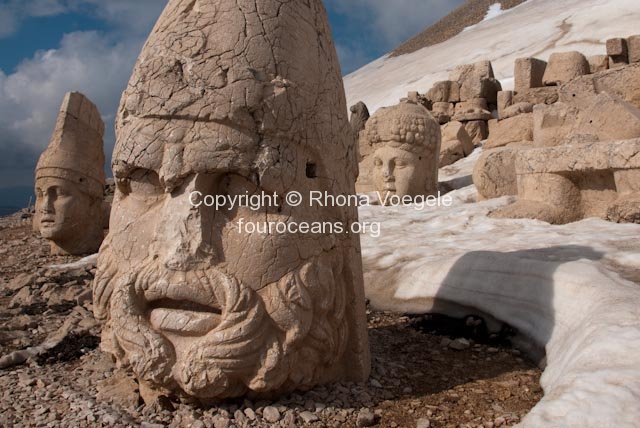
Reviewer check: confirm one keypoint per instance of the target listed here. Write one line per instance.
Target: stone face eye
(377, 162)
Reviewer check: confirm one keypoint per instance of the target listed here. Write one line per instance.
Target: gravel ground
(470, 13)
(425, 373)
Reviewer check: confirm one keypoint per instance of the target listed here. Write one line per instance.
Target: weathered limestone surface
(607, 118)
(505, 99)
(633, 44)
(515, 110)
(565, 66)
(618, 52)
(494, 174)
(476, 81)
(570, 182)
(456, 143)
(473, 109)
(233, 97)
(70, 180)
(515, 129)
(477, 130)
(604, 118)
(443, 112)
(406, 143)
(622, 82)
(598, 63)
(528, 73)
(552, 124)
(546, 95)
(446, 91)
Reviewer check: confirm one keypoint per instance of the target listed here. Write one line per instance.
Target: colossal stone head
(233, 98)
(406, 147)
(70, 180)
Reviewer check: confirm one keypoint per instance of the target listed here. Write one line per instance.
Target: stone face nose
(183, 233)
(387, 172)
(46, 206)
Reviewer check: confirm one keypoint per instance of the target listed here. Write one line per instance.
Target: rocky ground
(425, 373)
(468, 14)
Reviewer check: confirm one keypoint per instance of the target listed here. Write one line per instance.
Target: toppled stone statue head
(233, 98)
(406, 143)
(70, 180)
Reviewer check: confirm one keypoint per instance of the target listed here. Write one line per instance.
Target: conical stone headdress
(75, 152)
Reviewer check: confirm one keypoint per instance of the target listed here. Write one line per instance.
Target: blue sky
(50, 47)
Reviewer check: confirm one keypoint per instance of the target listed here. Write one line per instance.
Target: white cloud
(31, 96)
(96, 64)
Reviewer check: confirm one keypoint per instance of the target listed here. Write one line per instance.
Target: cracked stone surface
(232, 98)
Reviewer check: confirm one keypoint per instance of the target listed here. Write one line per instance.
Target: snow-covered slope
(534, 28)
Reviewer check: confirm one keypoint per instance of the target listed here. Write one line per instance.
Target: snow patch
(493, 11)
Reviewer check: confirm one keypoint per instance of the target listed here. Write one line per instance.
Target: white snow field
(534, 28)
(572, 290)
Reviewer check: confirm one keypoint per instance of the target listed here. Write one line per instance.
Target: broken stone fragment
(618, 52)
(516, 109)
(505, 99)
(447, 91)
(622, 82)
(556, 184)
(633, 45)
(598, 63)
(516, 129)
(456, 143)
(546, 95)
(528, 73)
(443, 112)
(565, 66)
(477, 130)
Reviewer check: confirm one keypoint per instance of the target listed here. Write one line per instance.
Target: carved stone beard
(287, 336)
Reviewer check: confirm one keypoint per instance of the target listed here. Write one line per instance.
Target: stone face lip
(565, 66)
(70, 180)
(233, 97)
(556, 184)
(405, 141)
